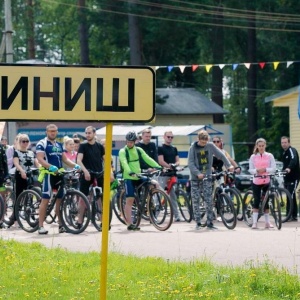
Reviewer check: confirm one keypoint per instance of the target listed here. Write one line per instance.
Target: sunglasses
(216, 142)
(25, 141)
(170, 137)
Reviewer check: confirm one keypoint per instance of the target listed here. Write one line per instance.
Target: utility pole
(11, 126)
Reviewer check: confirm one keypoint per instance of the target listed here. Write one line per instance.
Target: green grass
(31, 271)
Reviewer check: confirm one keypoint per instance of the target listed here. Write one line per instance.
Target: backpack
(127, 157)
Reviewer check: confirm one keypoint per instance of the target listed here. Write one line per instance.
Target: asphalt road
(182, 242)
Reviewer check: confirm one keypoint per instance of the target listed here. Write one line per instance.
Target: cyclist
(51, 155)
(290, 159)
(168, 156)
(260, 163)
(90, 157)
(3, 175)
(130, 167)
(200, 160)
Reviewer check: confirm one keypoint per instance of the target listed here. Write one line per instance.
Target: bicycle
(225, 181)
(28, 202)
(31, 175)
(96, 200)
(221, 203)
(153, 203)
(272, 197)
(181, 196)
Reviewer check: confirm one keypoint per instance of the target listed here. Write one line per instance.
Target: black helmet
(131, 136)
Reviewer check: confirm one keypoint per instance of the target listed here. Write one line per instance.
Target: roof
(282, 94)
(186, 101)
(119, 131)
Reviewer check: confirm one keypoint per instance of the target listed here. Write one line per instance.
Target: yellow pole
(105, 219)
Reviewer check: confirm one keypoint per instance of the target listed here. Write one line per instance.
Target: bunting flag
(233, 66)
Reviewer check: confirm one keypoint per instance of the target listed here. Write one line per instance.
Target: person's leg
(84, 188)
(255, 209)
(195, 194)
(46, 187)
(207, 194)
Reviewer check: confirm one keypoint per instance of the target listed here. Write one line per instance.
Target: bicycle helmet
(131, 136)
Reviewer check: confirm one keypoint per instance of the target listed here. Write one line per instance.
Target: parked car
(244, 179)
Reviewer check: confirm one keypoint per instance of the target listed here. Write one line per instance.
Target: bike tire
(2, 207)
(286, 201)
(236, 198)
(115, 203)
(160, 209)
(27, 210)
(184, 205)
(9, 203)
(69, 211)
(136, 214)
(274, 208)
(247, 207)
(227, 211)
(97, 212)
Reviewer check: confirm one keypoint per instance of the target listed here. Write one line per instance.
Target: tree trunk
(135, 41)
(217, 73)
(251, 80)
(30, 30)
(83, 33)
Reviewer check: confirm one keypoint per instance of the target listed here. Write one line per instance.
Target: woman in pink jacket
(261, 163)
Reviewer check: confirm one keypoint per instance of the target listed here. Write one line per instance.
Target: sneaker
(2, 225)
(42, 230)
(219, 219)
(254, 226)
(177, 219)
(269, 225)
(61, 229)
(211, 226)
(78, 225)
(198, 226)
(133, 227)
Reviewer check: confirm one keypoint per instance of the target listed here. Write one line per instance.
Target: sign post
(105, 220)
(79, 93)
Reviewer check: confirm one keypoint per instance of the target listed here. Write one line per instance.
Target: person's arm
(192, 164)
(252, 169)
(272, 168)
(41, 159)
(219, 154)
(19, 168)
(67, 161)
(293, 160)
(87, 175)
(148, 160)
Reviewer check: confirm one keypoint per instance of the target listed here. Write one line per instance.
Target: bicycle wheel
(247, 208)
(115, 203)
(9, 202)
(97, 212)
(160, 209)
(2, 207)
(184, 205)
(236, 199)
(136, 214)
(51, 216)
(274, 207)
(27, 210)
(227, 211)
(71, 204)
(286, 203)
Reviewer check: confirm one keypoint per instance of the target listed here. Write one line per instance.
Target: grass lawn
(31, 271)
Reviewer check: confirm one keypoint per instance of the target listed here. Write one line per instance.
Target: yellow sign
(77, 93)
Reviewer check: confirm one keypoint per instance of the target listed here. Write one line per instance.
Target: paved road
(182, 242)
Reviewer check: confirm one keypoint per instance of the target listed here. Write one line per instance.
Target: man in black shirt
(90, 158)
(168, 155)
(290, 159)
(148, 146)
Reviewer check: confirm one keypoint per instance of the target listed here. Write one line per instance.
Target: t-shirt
(169, 153)
(53, 152)
(26, 158)
(92, 156)
(150, 150)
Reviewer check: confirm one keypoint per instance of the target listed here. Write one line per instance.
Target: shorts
(51, 182)
(130, 186)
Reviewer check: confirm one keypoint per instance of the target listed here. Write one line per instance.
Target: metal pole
(11, 126)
